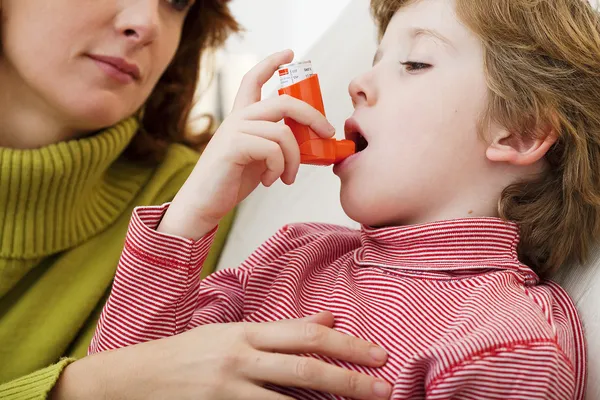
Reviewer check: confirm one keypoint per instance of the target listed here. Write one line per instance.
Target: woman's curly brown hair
(166, 111)
(542, 61)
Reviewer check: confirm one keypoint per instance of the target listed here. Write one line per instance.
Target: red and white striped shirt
(460, 316)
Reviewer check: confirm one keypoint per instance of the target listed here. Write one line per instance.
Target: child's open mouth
(354, 133)
(361, 142)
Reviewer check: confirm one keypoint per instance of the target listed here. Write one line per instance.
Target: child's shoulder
(302, 234)
(299, 237)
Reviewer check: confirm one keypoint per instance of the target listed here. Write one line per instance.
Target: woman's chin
(95, 108)
(97, 116)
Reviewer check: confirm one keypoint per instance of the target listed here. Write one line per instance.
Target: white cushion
(583, 284)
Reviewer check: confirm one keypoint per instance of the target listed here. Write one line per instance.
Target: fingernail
(313, 317)
(378, 354)
(331, 129)
(382, 389)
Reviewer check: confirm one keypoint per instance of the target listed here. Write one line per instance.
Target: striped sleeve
(220, 299)
(528, 371)
(155, 291)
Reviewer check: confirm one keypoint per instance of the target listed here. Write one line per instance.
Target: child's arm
(156, 291)
(538, 370)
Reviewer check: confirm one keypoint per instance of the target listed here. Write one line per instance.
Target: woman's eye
(415, 66)
(180, 5)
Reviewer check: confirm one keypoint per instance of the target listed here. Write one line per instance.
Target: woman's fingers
(283, 136)
(304, 337)
(277, 108)
(251, 86)
(310, 373)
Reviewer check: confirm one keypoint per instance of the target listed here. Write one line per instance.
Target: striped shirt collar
(453, 245)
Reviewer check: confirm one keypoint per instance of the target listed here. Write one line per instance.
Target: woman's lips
(117, 68)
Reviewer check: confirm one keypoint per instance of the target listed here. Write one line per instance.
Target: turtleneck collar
(454, 245)
(56, 197)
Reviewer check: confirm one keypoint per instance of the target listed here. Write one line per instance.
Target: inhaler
(299, 81)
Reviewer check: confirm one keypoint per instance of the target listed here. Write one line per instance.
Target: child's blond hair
(542, 61)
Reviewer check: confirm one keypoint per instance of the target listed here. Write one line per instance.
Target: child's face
(425, 160)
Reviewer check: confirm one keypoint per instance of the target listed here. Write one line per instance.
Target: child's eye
(412, 66)
(181, 5)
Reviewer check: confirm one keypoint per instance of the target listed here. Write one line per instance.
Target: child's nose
(362, 91)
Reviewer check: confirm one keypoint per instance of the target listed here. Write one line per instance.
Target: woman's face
(87, 63)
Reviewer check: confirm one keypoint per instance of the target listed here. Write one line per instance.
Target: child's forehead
(428, 19)
(432, 11)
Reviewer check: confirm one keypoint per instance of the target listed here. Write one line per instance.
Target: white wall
(273, 25)
(269, 26)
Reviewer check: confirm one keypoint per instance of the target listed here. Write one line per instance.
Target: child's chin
(358, 209)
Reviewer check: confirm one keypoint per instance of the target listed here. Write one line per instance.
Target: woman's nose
(139, 21)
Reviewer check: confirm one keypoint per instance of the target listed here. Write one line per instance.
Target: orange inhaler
(314, 150)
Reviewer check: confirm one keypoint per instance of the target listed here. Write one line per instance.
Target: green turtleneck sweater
(64, 212)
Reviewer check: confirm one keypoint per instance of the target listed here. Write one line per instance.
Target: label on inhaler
(294, 73)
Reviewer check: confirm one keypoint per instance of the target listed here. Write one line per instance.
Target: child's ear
(518, 149)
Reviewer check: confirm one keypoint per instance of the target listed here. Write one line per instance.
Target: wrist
(109, 375)
(82, 379)
(185, 222)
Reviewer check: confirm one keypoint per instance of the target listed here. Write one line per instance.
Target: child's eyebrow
(416, 32)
